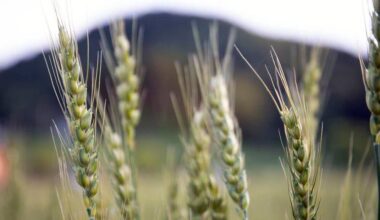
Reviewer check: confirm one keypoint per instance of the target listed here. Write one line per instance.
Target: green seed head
(93, 189)
(115, 141)
(84, 158)
(133, 99)
(123, 174)
(304, 177)
(372, 102)
(123, 45)
(89, 145)
(82, 179)
(73, 86)
(377, 139)
(289, 118)
(298, 165)
(134, 116)
(77, 111)
(85, 121)
(64, 39)
(228, 159)
(81, 97)
(119, 157)
(82, 135)
(231, 179)
(75, 73)
(295, 132)
(133, 81)
(92, 167)
(244, 203)
(123, 90)
(121, 72)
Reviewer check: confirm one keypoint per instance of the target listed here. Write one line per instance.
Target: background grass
(267, 183)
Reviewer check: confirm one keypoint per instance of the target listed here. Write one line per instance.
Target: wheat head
(205, 197)
(122, 179)
(302, 152)
(127, 83)
(71, 85)
(311, 90)
(224, 127)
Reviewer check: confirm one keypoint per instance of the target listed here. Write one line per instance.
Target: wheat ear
(117, 158)
(371, 78)
(311, 90)
(218, 201)
(301, 152)
(205, 195)
(225, 129)
(198, 164)
(127, 90)
(122, 180)
(213, 73)
(205, 198)
(79, 115)
(127, 83)
(300, 164)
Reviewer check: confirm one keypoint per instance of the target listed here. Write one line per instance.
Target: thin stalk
(377, 157)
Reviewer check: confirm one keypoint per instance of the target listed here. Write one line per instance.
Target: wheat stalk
(72, 95)
(302, 153)
(176, 210)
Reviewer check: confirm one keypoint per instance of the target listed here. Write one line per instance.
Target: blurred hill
(28, 103)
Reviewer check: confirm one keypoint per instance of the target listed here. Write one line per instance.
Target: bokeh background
(28, 107)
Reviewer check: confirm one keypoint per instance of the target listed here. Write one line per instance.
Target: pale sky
(341, 24)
